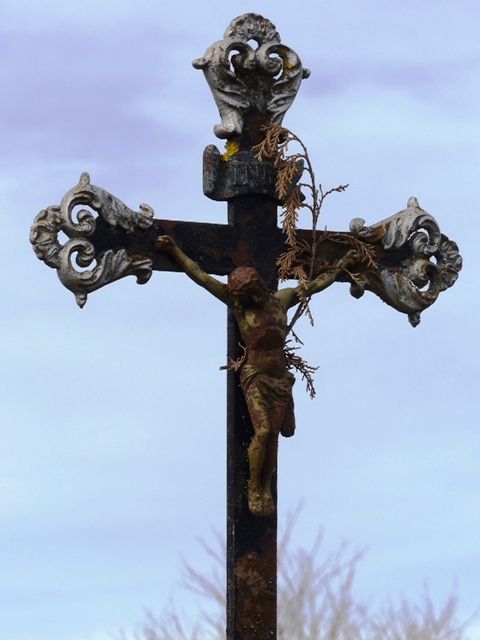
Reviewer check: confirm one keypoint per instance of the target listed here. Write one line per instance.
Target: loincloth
(270, 393)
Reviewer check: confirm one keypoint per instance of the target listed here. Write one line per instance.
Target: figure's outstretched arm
(191, 268)
(289, 296)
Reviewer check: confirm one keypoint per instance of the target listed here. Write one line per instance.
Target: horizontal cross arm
(404, 259)
(122, 241)
(212, 246)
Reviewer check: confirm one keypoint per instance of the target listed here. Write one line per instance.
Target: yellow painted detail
(287, 65)
(231, 149)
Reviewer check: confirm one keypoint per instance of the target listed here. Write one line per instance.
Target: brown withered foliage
(300, 261)
(294, 361)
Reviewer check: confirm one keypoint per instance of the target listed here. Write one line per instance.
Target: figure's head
(245, 284)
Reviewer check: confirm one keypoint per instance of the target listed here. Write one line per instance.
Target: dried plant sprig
(297, 257)
(367, 251)
(300, 262)
(294, 361)
(235, 365)
(291, 264)
(318, 200)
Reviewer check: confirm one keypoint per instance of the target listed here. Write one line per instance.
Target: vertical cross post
(251, 541)
(252, 89)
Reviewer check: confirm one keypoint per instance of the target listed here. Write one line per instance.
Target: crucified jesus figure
(264, 377)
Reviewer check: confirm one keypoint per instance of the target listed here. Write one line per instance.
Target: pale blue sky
(112, 457)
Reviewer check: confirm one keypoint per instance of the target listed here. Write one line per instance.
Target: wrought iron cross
(253, 86)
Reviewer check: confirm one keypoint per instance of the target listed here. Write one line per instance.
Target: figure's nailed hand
(165, 244)
(349, 259)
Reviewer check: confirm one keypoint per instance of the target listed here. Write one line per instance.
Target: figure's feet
(260, 502)
(268, 505)
(255, 502)
(351, 258)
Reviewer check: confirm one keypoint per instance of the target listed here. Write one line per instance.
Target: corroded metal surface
(251, 541)
(229, 175)
(226, 177)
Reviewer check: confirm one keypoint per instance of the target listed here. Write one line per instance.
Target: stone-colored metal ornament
(263, 79)
(406, 278)
(111, 265)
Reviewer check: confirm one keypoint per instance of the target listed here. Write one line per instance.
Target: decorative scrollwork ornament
(111, 265)
(407, 279)
(265, 79)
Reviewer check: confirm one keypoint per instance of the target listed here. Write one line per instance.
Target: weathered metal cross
(253, 89)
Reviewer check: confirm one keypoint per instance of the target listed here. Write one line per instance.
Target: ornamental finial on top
(262, 80)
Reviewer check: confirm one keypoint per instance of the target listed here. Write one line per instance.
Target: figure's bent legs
(256, 451)
(256, 455)
(262, 453)
(262, 456)
(270, 459)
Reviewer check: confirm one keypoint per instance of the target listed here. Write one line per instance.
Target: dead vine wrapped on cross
(300, 261)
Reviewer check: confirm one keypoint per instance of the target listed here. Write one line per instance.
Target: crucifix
(404, 259)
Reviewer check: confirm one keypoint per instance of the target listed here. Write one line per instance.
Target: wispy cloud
(438, 81)
(72, 95)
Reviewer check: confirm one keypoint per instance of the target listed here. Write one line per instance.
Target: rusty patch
(211, 247)
(240, 255)
(256, 589)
